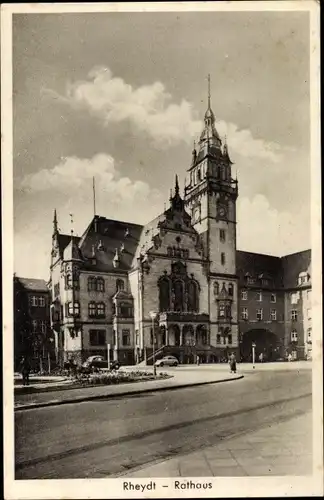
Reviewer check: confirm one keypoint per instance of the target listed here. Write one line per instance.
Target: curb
(33, 406)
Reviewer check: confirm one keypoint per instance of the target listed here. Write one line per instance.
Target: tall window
(33, 300)
(216, 288)
(69, 280)
(125, 310)
(230, 290)
(100, 285)
(164, 292)
(73, 309)
(41, 301)
(294, 296)
(178, 296)
(126, 337)
(218, 338)
(223, 258)
(259, 296)
(92, 309)
(222, 235)
(221, 311)
(273, 298)
(43, 326)
(101, 309)
(273, 314)
(119, 285)
(259, 314)
(97, 337)
(92, 283)
(56, 289)
(294, 315)
(192, 297)
(245, 313)
(294, 336)
(230, 339)
(244, 295)
(35, 325)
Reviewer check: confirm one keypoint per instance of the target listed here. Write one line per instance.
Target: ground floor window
(126, 337)
(97, 337)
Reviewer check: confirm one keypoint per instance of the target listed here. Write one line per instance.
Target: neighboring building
(298, 304)
(183, 265)
(32, 330)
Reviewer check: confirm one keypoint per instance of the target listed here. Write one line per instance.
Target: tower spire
(208, 91)
(55, 226)
(176, 185)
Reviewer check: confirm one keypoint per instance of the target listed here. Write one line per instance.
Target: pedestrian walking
(232, 363)
(198, 360)
(261, 357)
(25, 370)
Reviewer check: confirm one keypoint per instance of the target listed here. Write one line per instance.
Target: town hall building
(178, 285)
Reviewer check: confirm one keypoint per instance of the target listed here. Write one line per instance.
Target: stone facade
(32, 331)
(207, 297)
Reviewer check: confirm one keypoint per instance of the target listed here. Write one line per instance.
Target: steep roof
(64, 240)
(33, 284)
(256, 264)
(293, 265)
(147, 233)
(101, 239)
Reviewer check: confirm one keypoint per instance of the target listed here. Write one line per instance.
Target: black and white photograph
(161, 250)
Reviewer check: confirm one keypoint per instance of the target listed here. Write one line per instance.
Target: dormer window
(303, 278)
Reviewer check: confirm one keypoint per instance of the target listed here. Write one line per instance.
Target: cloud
(150, 110)
(263, 229)
(72, 179)
(77, 173)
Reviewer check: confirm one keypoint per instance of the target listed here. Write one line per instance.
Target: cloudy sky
(122, 96)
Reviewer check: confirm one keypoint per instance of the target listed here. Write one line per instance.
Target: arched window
(178, 295)
(164, 292)
(100, 285)
(92, 309)
(92, 283)
(119, 285)
(193, 296)
(230, 290)
(216, 288)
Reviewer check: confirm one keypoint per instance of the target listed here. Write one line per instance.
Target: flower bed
(117, 377)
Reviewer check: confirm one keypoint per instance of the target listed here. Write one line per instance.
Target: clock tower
(210, 198)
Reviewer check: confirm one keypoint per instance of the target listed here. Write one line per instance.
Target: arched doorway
(174, 335)
(189, 343)
(201, 334)
(266, 342)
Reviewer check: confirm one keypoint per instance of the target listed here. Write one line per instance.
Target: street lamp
(253, 353)
(153, 316)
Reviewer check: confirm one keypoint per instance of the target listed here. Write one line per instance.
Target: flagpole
(94, 195)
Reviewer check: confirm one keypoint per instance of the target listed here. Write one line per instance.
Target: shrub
(115, 377)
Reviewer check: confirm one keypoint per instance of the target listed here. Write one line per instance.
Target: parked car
(167, 361)
(96, 363)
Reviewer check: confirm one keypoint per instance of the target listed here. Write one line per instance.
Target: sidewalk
(180, 379)
(281, 449)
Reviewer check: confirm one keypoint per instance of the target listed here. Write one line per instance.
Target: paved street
(110, 437)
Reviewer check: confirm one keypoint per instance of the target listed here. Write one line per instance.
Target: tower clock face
(222, 212)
